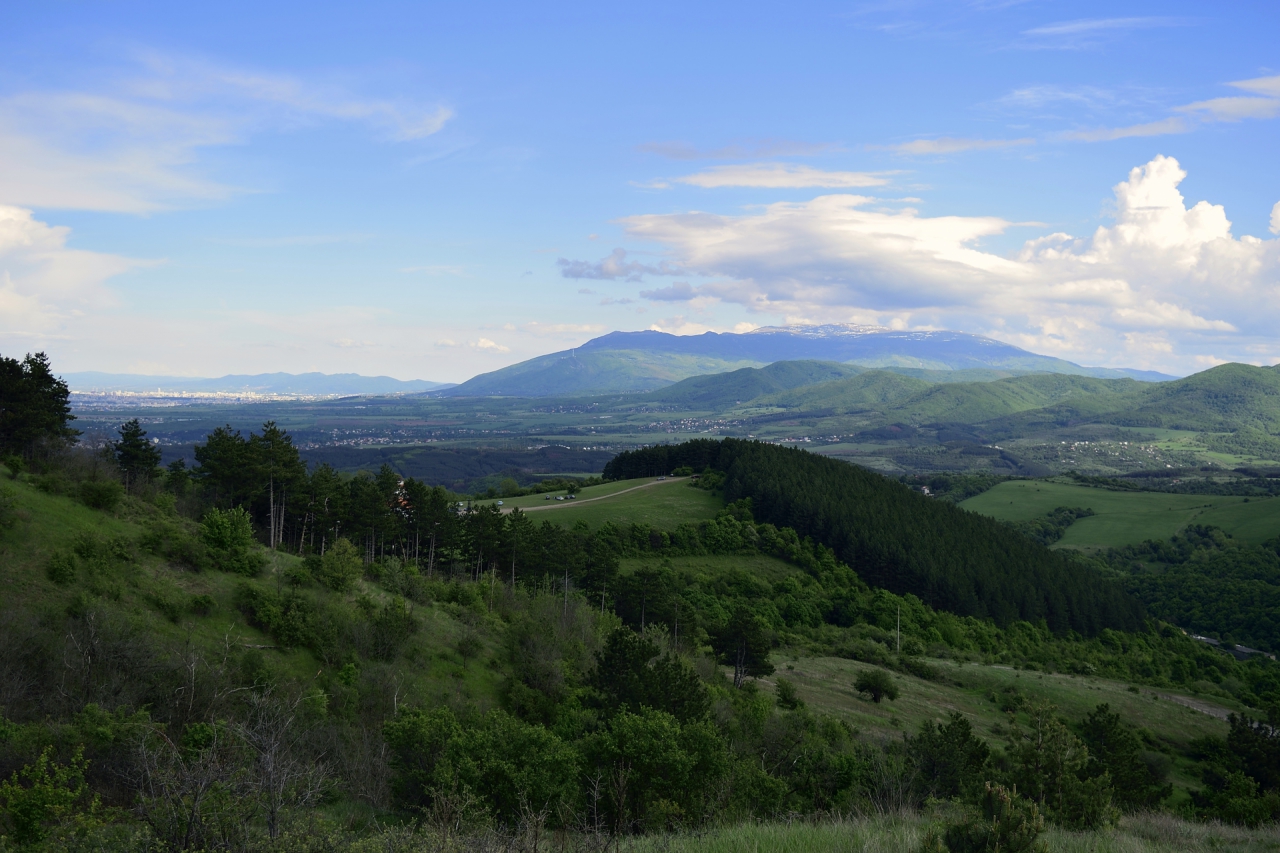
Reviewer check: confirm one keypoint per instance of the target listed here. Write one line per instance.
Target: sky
(436, 190)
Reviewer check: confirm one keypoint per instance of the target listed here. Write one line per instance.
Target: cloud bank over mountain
(1167, 284)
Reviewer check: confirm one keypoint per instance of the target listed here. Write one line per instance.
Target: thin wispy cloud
(1163, 127)
(614, 268)
(132, 141)
(749, 149)
(777, 176)
(1089, 32)
(954, 145)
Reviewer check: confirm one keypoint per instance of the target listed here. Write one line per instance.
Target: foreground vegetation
(254, 655)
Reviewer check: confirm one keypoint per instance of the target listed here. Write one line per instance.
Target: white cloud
(132, 144)
(780, 176)
(486, 344)
(954, 145)
(614, 267)
(1233, 109)
(43, 282)
(1090, 32)
(1161, 285)
(1153, 128)
(1269, 86)
(1275, 219)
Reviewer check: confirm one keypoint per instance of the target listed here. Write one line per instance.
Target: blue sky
(436, 190)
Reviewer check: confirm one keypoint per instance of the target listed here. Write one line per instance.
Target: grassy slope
(663, 505)
(1126, 518)
(133, 590)
(720, 391)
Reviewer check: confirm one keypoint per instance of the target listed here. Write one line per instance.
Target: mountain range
(319, 384)
(649, 360)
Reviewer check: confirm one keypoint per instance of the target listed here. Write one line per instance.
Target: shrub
(202, 605)
(228, 533)
(340, 566)
(101, 494)
(1006, 823)
(46, 794)
(61, 568)
(877, 684)
(786, 696)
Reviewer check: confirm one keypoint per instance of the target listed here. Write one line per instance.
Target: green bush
(877, 684)
(202, 605)
(61, 568)
(341, 566)
(44, 795)
(1006, 823)
(101, 494)
(228, 533)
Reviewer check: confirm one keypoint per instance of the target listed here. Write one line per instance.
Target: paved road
(577, 501)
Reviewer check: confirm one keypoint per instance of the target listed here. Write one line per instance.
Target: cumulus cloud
(614, 267)
(780, 176)
(953, 145)
(44, 282)
(1163, 284)
(486, 344)
(1275, 219)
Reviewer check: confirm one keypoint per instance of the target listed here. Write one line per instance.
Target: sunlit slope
(1128, 518)
(728, 389)
(573, 373)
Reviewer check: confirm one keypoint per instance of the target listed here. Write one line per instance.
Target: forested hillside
(251, 654)
(896, 538)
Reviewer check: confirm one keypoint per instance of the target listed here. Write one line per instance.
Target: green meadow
(1127, 518)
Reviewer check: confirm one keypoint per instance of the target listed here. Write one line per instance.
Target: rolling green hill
(873, 389)
(724, 390)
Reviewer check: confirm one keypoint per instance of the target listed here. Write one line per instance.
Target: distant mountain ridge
(648, 360)
(259, 383)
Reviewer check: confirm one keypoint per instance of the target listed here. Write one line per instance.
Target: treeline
(896, 538)
(33, 408)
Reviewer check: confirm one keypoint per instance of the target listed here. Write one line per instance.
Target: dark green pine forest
(252, 653)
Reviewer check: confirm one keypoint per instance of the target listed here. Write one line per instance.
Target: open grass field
(1172, 718)
(757, 565)
(1126, 518)
(901, 833)
(661, 503)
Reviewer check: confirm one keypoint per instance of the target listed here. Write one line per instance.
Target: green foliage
(786, 696)
(340, 567)
(630, 675)
(896, 538)
(103, 494)
(1116, 751)
(1049, 765)
(46, 794)
(1005, 823)
(877, 684)
(228, 534)
(743, 642)
(1206, 582)
(33, 405)
(511, 768)
(1051, 528)
(136, 456)
(61, 568)
(950, 758)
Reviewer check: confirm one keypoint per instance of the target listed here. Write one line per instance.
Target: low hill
(645, 361)
(900, 540)
(719, 391)
(873, 389)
